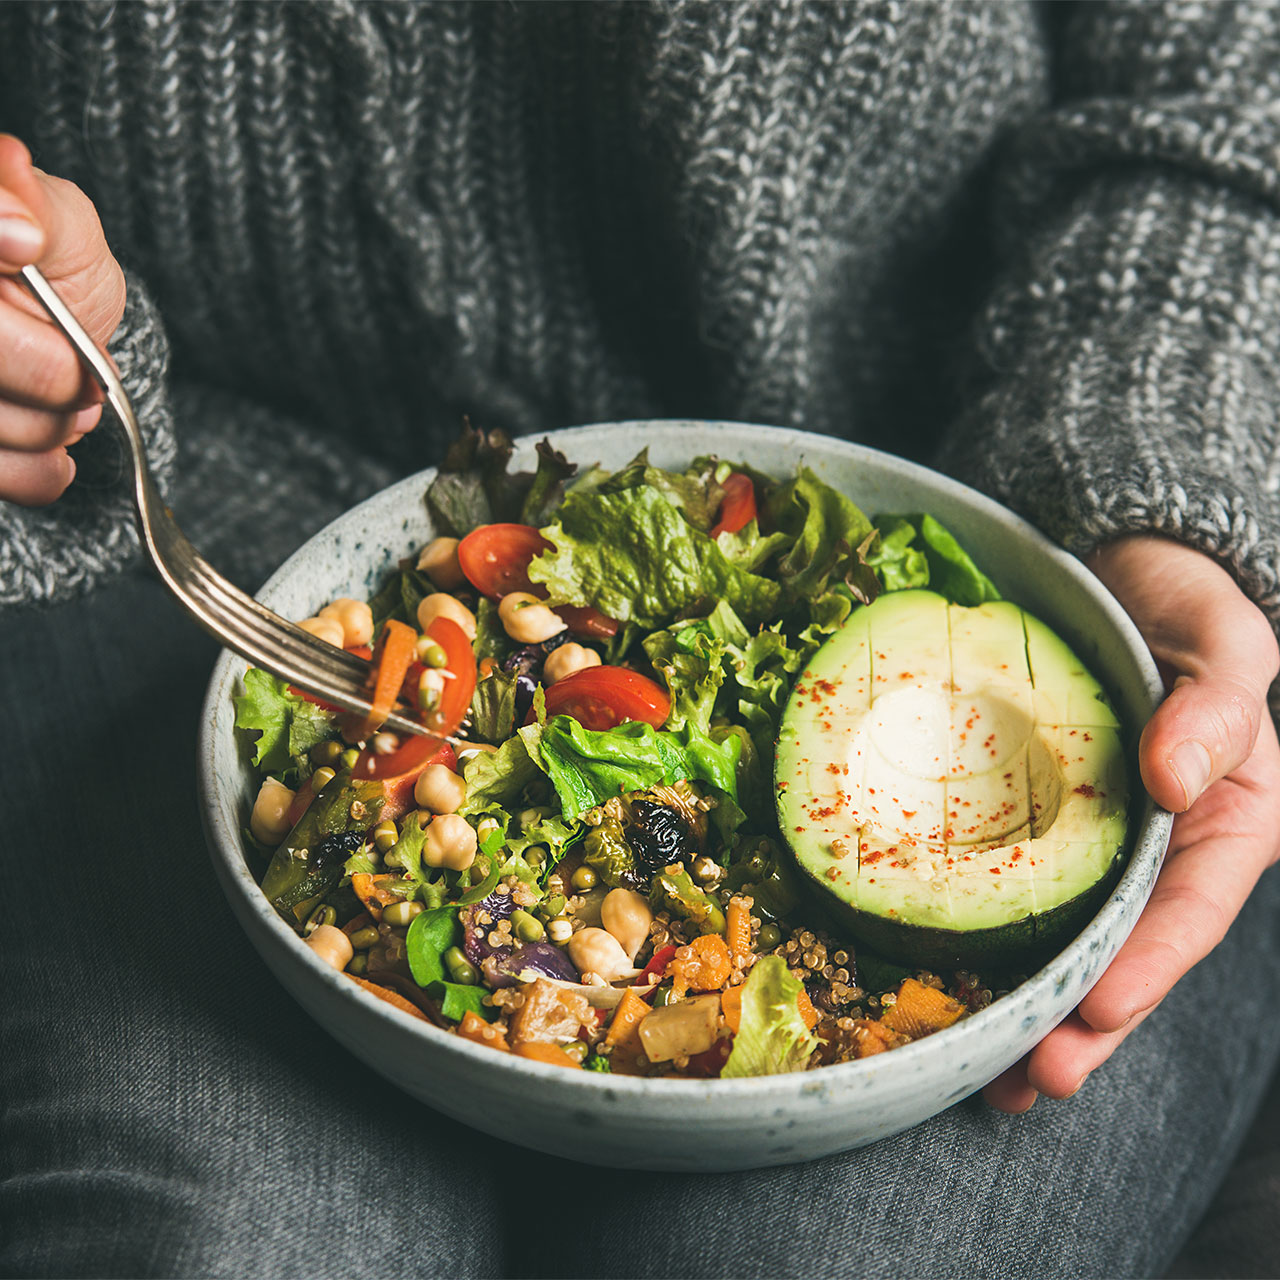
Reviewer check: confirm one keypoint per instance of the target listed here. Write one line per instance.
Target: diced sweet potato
(474, 1027)
(549, 1053)
(920, 1010)
(681, 1030)
(704, 965)
(374, 893)
(873, 1037)
(549, 1015)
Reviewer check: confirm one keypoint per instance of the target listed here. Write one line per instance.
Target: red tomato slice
(460, 668)
(739, 505)
(604, 697)
(495, 558)
(398, 770)
(585, 621)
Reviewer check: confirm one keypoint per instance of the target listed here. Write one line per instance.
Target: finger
(75, 252)
(27, 430)
(35, 479)
(40, 369)
(1060, 1064)
(21, 236)
(1010, 1091)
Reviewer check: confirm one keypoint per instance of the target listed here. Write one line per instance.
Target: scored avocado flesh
(953, 778)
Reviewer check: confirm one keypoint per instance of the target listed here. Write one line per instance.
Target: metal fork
(233, 618)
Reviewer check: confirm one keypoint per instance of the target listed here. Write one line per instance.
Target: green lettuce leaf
(499, 779)
(950, 570)
(772, 1038)
(899, 565)
(695, 492)
(493, 707)
(827, 530)
(287, 725)
(635, 557)
(588, 767)
(430, 935)
(690, 660)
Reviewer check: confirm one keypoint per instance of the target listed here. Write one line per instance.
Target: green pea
(358, 964)
(326, 753)
(401, 913)
(364, 938)
(321, 779)
(321, 915)
(432, 654)
(461, 970)
(583, 879)
(385, 835)
(551, 907)
(535, 855)
(770, 936)
(526, 927)
(349, 758)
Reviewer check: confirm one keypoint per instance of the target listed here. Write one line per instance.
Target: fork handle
(98, 364)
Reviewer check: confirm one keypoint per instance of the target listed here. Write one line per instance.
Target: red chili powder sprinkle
(1084, 789)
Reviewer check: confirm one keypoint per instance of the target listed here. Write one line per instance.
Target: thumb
(1216, 648)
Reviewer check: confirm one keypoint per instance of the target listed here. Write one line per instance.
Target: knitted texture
(1039, 242)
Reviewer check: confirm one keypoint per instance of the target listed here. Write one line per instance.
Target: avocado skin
(1022, 945)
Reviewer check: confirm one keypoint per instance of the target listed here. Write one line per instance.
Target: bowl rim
(1149, 840)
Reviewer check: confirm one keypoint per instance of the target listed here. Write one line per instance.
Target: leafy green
(587, 767)
(597, 1062)
(826, 527)
(939, 562)
(772, 1038)
(457, 1000)
(689, 660)
(498, 779)
(400, 595)
(406, 853)
(491, 639)
(493, 707)
(430, 935)
(634, 556)
(695, 492)
(473, 486)
(287, 725)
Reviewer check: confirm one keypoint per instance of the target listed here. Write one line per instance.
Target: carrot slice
(624, 1030)
(920, 1010)
(538, 1051)
(392, 658)
(391, 997)
(473, 1027)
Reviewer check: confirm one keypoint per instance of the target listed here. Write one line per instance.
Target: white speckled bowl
(714, 1124)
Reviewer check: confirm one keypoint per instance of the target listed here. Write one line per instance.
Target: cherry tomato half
(398, 770)
(604, 697)
(739, 506)
(495, 558)
(460, 676)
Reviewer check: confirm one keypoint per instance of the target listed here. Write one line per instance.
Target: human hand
(1209, 754)
(46, 400)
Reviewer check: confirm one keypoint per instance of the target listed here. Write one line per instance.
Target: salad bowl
(714, 1124)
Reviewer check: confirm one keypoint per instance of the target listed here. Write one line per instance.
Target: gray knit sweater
(1037, 246)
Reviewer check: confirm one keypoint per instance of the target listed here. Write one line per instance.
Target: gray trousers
(167, 1110)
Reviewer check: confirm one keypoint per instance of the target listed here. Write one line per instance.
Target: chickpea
(567, 659)
(439, 561)
(526, 619)
(355, 618)
(442, 605)
(598, 951)
(439, 789)
(451, 842)
(626, 915)
(269, 821)
(332, 946)
(327, 629)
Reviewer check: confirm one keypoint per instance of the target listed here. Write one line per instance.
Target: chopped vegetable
(920, 1010)
(772, 1037)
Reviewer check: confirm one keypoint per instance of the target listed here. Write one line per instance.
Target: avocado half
(953, 781)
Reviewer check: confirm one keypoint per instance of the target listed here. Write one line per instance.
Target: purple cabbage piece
(502, 966)
(543, 958)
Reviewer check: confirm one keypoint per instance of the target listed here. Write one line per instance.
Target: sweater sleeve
(1129, 355)
(50, 554)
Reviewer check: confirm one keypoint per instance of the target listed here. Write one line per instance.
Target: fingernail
(20, 240)
(1191, 765)
(1083, 1081)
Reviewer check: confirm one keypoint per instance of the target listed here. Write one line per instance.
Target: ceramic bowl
(678, 1124)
